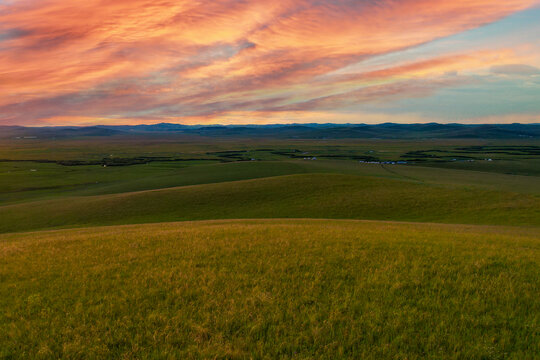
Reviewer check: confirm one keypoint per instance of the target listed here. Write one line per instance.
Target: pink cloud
(112, 59)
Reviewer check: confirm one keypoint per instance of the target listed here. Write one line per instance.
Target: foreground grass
(271, 289)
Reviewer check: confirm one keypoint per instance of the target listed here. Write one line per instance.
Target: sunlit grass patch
(271, 288)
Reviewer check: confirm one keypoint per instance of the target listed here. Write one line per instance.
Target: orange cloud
(183, 58)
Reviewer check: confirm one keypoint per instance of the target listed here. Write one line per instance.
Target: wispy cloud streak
(63, 61)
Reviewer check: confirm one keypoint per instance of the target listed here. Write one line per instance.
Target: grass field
(336, 257)
(35, 169)
(272, 289)
(27, 181)
(293, 196)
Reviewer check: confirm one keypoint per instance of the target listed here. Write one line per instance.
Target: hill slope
(18, 183)
(293, 196)
(271, 288)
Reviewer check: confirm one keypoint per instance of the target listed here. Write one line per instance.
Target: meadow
(272, 289)
(292, 196)
(190, 247)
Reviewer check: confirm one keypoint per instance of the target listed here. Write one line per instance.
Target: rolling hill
(291, 196)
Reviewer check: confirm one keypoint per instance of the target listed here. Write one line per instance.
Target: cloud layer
(188, 61)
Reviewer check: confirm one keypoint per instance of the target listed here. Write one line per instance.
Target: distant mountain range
(290, 131)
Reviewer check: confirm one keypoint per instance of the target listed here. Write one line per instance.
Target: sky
(90, 62)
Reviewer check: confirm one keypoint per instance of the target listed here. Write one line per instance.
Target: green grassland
(186, 247)
(181, 147)
(272, 289)
(27, 181)
(291, 196)
(38, 168)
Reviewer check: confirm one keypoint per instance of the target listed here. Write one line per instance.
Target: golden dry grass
(272, 289)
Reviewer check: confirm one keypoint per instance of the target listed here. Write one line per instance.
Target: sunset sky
(88, 62)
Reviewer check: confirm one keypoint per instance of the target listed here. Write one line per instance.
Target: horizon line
(265, 125)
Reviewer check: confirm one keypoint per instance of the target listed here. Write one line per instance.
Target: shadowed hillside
(293, 196)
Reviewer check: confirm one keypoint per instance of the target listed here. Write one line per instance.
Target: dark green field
(447, 266)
